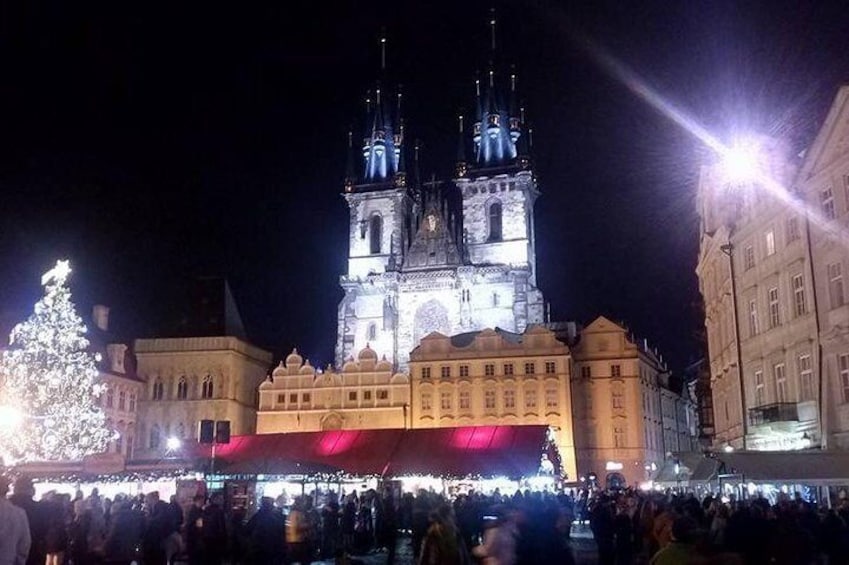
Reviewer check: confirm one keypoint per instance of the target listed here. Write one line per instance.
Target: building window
(122, 400)
(375, 231)
(366, 395)
(464, 370)
(508, 369)
(464, 400)
(530, 368)
(306, 397)
(110, 396)
(180, 431)
(616, 371)
(426, 402)
(155, 437)
(800, 307)
(530, 399)
(207, 388)
(774, 317)
(550, 368)
(495, 221)
(760, 395)
(489, 370)
(806, 378)
(770, 242)
(753, 318)
(748, 258)
(509, 399)
(293, 398)
(119, 444)
(793, 229)
(618, 436)
(445, 372)
(132, 402)
(780, 375)
(843, 364)
(551, 398)
(835, 284)
(425, 372)
(489, 400)
(352, 396)
(281, 399)
(445, 401)
(182, 389)
(827, 203)
(495, 299)
(618, 399)
(586, 372)
(383, 394)
(371, 334)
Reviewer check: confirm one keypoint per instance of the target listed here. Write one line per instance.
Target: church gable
(832, 140)
(433, 246)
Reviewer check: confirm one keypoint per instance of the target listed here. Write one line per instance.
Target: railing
(777, 412)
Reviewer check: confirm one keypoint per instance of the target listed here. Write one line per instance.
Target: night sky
(151, 143)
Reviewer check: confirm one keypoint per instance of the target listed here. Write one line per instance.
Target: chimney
(116, 353)
(100, 316)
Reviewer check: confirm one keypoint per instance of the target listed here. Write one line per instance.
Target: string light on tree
(50, 382)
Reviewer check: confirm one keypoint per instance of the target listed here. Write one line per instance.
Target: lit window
(509, 399)
(207, 388)
(843, 363)
(780, 383)
(793, 229)
(586, 372)
(615, 371)
(753, 318)
(464, 370)
(182, 389)
(382, 394)
(508, 369)
(465, 401)
(494, 221)
(835, 284)
(827, 203)
(748, 258)
(760, 393)
(489, 370)
(425, 372)
(770, 243)
(489, 399)
(530, 399)
(375, 234)
(530, 368)
(550, 368)
(352, 396)
(806, 378)
(426, 402)
(445, 372)
(800, 307)
(445, 401)
(774, 316)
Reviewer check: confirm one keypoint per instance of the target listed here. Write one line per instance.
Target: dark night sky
(151, 143)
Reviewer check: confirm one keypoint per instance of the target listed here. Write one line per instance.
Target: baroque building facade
(363, 394)
(447, 257)
(495, 377)
(627, 416)
(771, 264)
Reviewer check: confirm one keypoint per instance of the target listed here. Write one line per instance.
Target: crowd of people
(521, 528)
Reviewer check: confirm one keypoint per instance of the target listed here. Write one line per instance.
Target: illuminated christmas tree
(50, 383)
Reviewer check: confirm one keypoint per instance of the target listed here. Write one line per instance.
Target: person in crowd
(15, 538)
(213, 532)
(499, 540)
(266, 533)
(125, 535)
(443, 544)
(387, 528)
(297, 531)
(158, 526)
(194, 526)
(680, 548)
(22, 497)
(348, 522)
(330, 528)
(56, 536)
(601, 524)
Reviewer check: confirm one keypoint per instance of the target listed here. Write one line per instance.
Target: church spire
(350, 175)
(461, 167)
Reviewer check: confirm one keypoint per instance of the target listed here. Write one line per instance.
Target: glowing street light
(11, 418)
(173, 443)
(740, 162)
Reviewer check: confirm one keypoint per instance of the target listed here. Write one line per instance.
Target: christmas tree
(50, 381)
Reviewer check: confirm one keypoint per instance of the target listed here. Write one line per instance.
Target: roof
(467, 338)
(809, 467)
(512, 451)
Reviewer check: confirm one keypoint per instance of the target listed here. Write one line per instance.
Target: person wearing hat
(14, 530)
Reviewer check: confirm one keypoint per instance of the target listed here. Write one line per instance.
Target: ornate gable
(433, 246)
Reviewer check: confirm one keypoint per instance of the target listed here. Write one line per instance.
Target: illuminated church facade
(447, 257)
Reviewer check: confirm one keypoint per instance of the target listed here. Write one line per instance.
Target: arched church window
(182, 388)
(372, 332)
(375, 230)
(122, 400)
(181, 431)
(207, 387)
(495, 221)
(155, 436)
(158, 389)
(110, 396)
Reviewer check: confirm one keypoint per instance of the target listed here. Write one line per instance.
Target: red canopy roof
(486, 450)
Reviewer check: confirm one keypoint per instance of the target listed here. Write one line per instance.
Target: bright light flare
(11, 418)
(740, 163)
(173, 443)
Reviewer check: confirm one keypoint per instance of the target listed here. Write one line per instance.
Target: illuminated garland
(50, 383)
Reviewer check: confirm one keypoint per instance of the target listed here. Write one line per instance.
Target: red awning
(512, 451)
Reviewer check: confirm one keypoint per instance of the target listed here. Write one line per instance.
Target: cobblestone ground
(583, 547)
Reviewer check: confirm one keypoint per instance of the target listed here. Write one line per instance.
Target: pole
(728, 249)
(212, 462)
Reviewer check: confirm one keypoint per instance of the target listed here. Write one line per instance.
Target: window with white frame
(793, 232)
(835, 284)
(843, 365)
(465, 400)
(748, 258)
(530, 398)
(489, 370)
(753, 318)
(827, 203)
(530, 368)
(760, 392)
(182, 388)
(774, 315)
(489, 400)
(122, 400)
(508, 369)
(780, 374)
(132, 402)
(800, 306)
(445, 372)
(208, 387)
(769, 239)
(425, 372)
(550, 368)
(445, 401)
(806, 378)
(551, 398)
(464, 370)
(427, 402)
(509, 399)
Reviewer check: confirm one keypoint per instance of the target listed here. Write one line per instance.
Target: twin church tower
(453, 256)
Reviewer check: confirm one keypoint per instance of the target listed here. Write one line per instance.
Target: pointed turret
(350, 175)
(461, 167)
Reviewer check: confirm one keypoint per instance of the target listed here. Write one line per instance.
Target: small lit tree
(50, 380)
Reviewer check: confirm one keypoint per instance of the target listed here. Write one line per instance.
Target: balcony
(774, 413)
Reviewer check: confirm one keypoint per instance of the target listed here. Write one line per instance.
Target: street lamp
(173, 443)
(11, 418)
(740, 162)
